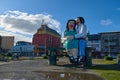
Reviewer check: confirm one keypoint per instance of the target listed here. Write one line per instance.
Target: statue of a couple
(74, 39)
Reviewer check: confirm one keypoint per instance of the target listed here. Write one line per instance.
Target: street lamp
(45, 44)
(109, 45)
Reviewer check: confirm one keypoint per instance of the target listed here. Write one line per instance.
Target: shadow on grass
(106, 67)
(70, 66)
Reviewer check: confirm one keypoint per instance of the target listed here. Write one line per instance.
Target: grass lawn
(107, 69)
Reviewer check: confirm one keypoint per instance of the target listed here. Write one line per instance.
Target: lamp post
(109, 45)
(45, 44)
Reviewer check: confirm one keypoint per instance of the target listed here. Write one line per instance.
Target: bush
(108, 58)
(9, 54)
(3, 55)
(45, 57)
(118, 56)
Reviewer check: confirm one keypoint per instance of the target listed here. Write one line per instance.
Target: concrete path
(41, 70)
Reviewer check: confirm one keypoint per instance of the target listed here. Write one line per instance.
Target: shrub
(45, 57)
(108, 58)
(9, 54)
(3, 54)
(118, 56)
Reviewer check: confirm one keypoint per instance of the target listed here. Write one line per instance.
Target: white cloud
(106, 22)
(118, 9)
(21, 22)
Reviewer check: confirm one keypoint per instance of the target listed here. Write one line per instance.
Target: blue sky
(22, 18)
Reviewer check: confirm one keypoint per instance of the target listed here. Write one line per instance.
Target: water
(70, 76)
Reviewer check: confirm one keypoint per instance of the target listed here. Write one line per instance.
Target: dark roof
(45, 27)
(109, 32)
(23, 43)
(94, 37)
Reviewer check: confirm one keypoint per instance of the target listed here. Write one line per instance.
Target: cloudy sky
(23, 25)
(22, 18)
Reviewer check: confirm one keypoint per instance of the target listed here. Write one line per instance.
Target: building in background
(110, 43)
(23, 48)
(6, 42)
(45, 37)
(94, 40)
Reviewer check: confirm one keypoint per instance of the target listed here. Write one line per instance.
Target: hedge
(108, 58)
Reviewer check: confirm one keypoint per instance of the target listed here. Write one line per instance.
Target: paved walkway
(40, 70)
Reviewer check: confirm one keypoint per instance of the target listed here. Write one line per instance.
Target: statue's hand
(64, 39)
(69, 37)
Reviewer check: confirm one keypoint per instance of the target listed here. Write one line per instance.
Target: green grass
(103, 61)
(107, 69)
(28, 58)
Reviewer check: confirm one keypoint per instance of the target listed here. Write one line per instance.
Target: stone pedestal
(88, 57)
